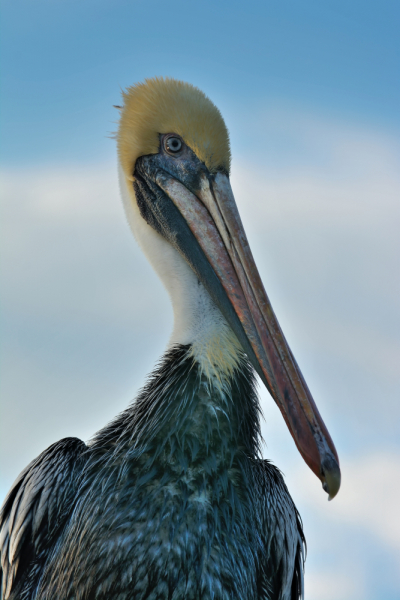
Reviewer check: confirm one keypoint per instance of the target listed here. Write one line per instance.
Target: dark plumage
(170, 500)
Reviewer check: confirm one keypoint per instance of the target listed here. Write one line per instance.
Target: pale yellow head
(163, 105)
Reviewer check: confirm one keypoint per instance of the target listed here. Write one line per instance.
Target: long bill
(212, 216)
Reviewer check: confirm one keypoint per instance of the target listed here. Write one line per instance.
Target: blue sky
(63, 62)
(310, 94)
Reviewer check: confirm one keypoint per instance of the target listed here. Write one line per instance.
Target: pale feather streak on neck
(197, 320)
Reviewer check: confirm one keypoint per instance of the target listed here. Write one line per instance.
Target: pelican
(172, 499)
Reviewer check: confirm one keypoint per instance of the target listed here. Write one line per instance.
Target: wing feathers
(35, 509)
(283, 563)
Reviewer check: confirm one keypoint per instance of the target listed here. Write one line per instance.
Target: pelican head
(174, 158)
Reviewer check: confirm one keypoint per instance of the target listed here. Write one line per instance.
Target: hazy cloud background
(309, 97)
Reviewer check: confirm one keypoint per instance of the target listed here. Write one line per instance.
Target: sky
(310, 94)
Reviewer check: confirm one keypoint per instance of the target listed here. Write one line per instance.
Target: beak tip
(331, 477)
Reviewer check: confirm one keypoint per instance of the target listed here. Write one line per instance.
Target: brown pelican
(172, 499)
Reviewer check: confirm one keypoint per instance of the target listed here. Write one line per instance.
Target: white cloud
(331, 585)
(368, 497)
(372, 490)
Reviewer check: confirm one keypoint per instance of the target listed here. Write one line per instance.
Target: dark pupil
(174, 144)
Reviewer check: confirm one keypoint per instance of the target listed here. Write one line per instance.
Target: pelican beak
(207, 205)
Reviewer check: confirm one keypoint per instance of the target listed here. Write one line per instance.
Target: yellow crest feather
(163, 105)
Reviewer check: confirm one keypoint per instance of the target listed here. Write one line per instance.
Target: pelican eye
(173, 144)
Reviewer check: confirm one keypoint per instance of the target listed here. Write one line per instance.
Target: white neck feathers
(197, 321)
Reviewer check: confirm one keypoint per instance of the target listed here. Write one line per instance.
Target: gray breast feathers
(33, 513)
